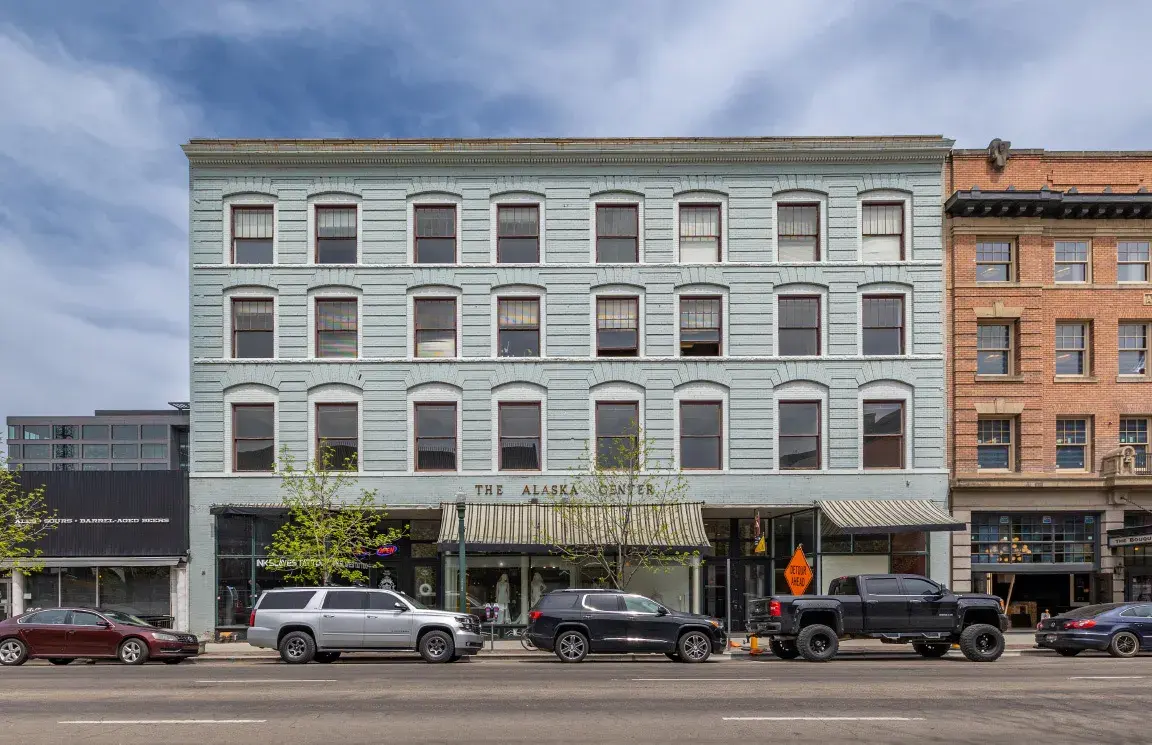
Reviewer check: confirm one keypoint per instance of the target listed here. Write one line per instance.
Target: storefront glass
(503, 587)
(142, 591)
(1034, 538)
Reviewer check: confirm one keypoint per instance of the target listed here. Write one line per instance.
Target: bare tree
(24, 521)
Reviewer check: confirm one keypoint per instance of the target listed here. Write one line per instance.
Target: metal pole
(462, 585)
(728, 597)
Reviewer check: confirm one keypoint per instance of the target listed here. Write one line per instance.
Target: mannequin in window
(538, 588)
(503, 598)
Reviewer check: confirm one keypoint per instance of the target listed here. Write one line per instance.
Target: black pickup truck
(894, 608)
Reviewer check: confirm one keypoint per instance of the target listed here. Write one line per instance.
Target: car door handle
(587, 618)
(329, 615)
(373, 616)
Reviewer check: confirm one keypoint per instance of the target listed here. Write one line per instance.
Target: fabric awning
(887, 515)
(536, 528)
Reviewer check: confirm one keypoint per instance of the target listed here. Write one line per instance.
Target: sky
(96, 98)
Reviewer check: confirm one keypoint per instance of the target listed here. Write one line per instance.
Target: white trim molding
(337, 393)
(253, 292)
(801, 390)
(885, 288)
(613, 198)
(701, 390)
(802, 289)
(700, 290)
(250, 393)
(518, 292)
(617, 291)
(520, 393)
(607, 393)
(433, 292)
(886, 390)
(515, 199)
(432, 198)
(885, 195)
(434, 393)
(700, 197)
(800, 196)
(335, 292)
(250, 199)
(335, 199)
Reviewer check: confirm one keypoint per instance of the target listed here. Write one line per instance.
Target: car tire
(785, 650)
(982, 642)
(60, 660)
(297, 648)
(931, 651)
(173, 661)
(674, 656)
(133, 651)
(1068, 652)
(817, 643)
(1124, 644)
(437, 646)
(571, 646)
(13, 652)
(326, 657)
(694, 646)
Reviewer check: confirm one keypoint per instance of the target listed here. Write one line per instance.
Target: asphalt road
(1023, 698)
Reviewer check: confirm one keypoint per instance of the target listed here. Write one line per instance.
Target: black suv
(575, 623)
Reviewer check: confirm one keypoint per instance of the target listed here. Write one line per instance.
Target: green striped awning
(887, 515)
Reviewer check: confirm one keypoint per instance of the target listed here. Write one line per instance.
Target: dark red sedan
(61, 635)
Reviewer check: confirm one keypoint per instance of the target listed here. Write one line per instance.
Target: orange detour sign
(798, 574)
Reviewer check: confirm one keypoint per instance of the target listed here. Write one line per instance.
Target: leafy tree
(24, 520)
(621, 515)
(325, 536)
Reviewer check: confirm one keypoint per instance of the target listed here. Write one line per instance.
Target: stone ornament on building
(998, 153)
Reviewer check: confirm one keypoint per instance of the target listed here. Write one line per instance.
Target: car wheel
(982, 642)
(695, 646)
(571, 646)
(1124, 644)
(674, 656)
(173, 661)
(13, 652)
(133, 652)
(784, 650)
(1068, 652)
(817, 643)
(326, 657)
(932, 651)
(437, 646)
(60, 660)
(297, 648)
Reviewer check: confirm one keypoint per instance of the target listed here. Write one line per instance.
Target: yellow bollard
(754, 645)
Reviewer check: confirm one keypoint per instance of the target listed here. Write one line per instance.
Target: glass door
(5, 597)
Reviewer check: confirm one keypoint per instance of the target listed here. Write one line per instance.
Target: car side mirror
(943, 590)
(661, 611)
(105, 624)
(400, 606)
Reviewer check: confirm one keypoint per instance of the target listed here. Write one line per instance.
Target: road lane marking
(163, 721)
(267, 680)
(1107, 677)
(823, 719)
(694, 680)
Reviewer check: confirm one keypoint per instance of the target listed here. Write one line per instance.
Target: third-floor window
(994, 261)
(518, 234)
(1133, 348)
(253, 328)
(336, 328)
(435, 327)
(518, 327)
(1071, 261)
(435, 234)
(700, 326)
(617, 327)
(617, 233)
(799, 326)
(699, 233)
(1072, 348)
(798, 232)
(882, 325)
(994, 349)
(336, 234)
(252, 235)
(882, 231)
(1132, 261)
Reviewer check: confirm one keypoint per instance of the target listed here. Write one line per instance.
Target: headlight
(715, 624)
(160, 637)
(463, 620)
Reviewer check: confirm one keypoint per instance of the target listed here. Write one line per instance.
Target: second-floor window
(699, 233)
(1132, 261)
(253, 437)
(519, 432)
(701, 435)
(336, 235)
(617, 327)
(336, 328)
(518, 234)
(337, 436)
(994, 261)
(617, 434)
(1071, 349)
(435, 234)
(1134, 434)
(798, 232)
(1072, 444)
(883, 434)
(253, 328)
(993, 349)
(252, 235)
(435, 434)
(518, 327)
(1071, 261)
(435, 327)
(1133, 348)
(882, 324)
(882, 231)
(799, 435)
(617, 233)
(700, 327)
(994, 444)
(799, 326)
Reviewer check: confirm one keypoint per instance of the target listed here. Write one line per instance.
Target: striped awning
(887, 515)
(535, 528)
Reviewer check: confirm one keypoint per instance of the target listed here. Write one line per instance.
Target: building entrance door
(5, 597)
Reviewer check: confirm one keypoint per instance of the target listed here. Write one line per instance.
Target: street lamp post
(462, 588)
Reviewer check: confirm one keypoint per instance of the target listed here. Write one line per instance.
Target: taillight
(534, 615)
(252, 618)
(1085, 624)
(774, 608)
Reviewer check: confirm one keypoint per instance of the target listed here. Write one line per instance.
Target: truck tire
(694, 646)
(785, 650)
(297, 648)
(981, 642)
(817, 643)
(931, 651)
(571, 646)
(437, 646)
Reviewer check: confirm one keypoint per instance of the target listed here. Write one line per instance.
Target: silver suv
(320, 623)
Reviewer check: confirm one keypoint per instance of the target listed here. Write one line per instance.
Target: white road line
(163, 721)
(694, 680)
(1106, 677)
(264, 680)
(823, 719)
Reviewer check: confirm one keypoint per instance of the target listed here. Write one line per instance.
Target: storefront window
(45, 589)
(142, 591)
(1033, 538)
(78, 587)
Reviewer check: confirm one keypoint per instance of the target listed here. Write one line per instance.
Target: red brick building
(1050, 315)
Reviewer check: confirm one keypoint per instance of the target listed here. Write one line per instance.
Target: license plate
(1050, 638)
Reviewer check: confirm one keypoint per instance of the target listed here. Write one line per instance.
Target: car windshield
(125, 618)
(1091, 611)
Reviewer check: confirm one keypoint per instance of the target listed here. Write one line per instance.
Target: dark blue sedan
(1120, 629)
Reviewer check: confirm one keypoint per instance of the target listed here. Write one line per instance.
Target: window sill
(1074, 379)
(1132, 378)
(999, 378)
